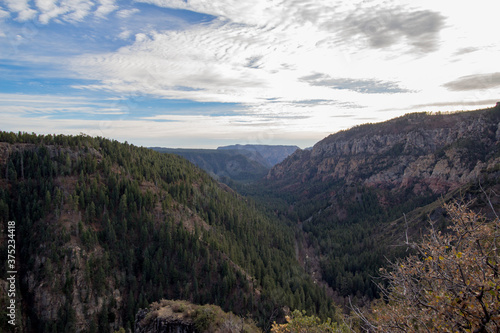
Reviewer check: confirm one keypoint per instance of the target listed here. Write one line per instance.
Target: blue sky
(203, 73)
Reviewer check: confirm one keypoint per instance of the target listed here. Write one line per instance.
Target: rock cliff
(358, 195)
(439, 152)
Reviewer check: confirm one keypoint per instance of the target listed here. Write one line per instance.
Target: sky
(208, 73)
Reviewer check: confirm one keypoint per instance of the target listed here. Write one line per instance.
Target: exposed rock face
(48, 299)
(439, 152)
(162, 325)
(168, 316)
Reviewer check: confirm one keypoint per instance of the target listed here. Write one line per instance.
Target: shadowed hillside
(105, 228)
(240, 163)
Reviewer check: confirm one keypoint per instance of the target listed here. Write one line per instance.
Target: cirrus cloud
(368, 86)
(274, 66)
(474, 82)
(384, 27)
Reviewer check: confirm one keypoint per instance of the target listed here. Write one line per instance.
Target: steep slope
(240, 163)
(345, 192)
(223, 165)
(271, 154)
(105, 228)
(439, 151)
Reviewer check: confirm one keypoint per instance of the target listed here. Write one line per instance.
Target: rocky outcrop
(168, 316)
(50, 298)
(438, 151)
(162, 324)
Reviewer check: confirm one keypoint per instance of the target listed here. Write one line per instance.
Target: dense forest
(358, 194)
(105, 228)
(448, 283)
(224, 165)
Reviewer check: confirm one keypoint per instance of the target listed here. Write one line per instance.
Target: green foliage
(451, 284)
(343, 228)
(299, 322)
(139, 221)
(348, 204)
(226, 165)
(204, 317)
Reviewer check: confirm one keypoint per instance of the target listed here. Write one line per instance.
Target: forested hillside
(104, 228)
(358, 194)
(270, 154)
(223, 165)
(236, 163)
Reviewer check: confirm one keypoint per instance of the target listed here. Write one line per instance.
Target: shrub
(451, 284)
(298, 322)
(204, 317)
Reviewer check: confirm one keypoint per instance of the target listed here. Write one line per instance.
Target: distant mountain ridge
(272, 154)
(242, 163)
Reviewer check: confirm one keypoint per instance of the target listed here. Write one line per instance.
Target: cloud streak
(384, 27)
(367, 86)
(221, 62)
(239, 57)
(474, 82)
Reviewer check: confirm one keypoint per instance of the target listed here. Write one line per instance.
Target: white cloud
(105, 7)
(381, 24)
(125, 34)
(173, 130)
(22, 8)
(30, 104)
(260, 50)
(48, 10)
(291, 65)
(3, 14)
(65, 10)
(76, 10)
(210, 61)
(229, 62)
(257, 12)
(221, 62)
(125, 13)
